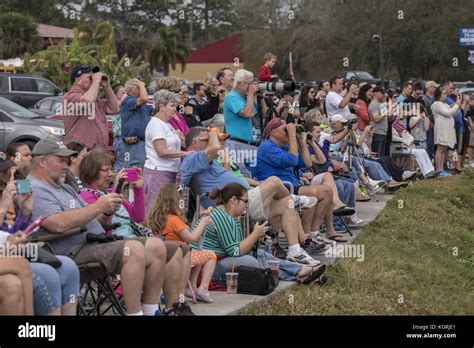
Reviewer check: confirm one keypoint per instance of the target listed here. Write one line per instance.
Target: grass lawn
(419, 260)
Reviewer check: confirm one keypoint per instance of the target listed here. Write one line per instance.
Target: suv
(26, 90)
(18, 124)
(361, 76)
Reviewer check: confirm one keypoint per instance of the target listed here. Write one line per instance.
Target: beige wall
(198, 71)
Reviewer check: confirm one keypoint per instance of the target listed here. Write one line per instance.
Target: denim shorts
(54, 287)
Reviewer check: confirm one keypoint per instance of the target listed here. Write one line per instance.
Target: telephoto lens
(287, 86)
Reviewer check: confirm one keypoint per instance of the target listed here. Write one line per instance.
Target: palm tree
(168, 50)
(18, 33)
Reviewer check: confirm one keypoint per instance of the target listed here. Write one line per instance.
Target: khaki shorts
(318, 179)
(255, 208)
(110, 255)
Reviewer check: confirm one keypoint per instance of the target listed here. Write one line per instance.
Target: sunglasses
(243, 200)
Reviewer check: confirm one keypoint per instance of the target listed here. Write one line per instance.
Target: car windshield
(13, 109)
(364, 75)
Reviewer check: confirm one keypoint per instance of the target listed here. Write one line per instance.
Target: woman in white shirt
(444, 132)
(162, 146)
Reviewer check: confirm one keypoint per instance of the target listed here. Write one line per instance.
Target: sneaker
(179, 309)
(190, 294)
(304, 202)
(312, 247)
(444, 174)
(279, 252)
(303, 258)
(353, 222)
(409, 174)
(375, 186)
(393, 185)
(318, 238)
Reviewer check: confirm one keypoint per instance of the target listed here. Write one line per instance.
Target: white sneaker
(408, 174)
(304, 202)
(375, 186)
(353, 221)
(303, 258)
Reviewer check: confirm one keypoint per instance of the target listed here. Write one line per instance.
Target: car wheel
(31, 144)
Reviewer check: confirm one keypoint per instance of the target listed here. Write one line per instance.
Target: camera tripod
(351, 150)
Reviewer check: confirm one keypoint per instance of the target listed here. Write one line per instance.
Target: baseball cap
(378, 89)
(80, 69)
(338, 118)
(5, 161)
(431, 84)
(52, 146)
(273, 124)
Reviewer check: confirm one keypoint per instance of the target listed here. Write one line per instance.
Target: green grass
(410, 265)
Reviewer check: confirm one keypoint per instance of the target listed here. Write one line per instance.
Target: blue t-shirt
(273, 160)
(209, 175)
(458, 118)
(134, 118)
(237, 126)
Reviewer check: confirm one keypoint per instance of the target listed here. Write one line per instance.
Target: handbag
(41, 256)
(255, 281)
(138, 229)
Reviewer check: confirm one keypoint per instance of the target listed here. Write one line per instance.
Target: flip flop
(337, 238)
(315, 275)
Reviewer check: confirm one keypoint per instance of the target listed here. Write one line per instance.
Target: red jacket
(362, 115)
(264, 73)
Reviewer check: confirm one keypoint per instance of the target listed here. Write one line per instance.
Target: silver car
(18, 124)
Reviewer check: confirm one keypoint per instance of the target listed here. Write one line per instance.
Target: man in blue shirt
(269, 201)
(239, 109)
(135, 114)
(279, 156)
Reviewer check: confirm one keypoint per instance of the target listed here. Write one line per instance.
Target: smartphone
(132, 174)
(23, 186)
(119, 187)
(34, 226)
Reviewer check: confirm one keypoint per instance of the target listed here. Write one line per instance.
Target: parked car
(362, 76)
(26, 90)
(18, 124)
(51, 107)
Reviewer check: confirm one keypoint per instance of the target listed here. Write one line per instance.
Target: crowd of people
(295, 163)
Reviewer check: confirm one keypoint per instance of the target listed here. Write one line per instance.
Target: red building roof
(222, 51)
(45, 30)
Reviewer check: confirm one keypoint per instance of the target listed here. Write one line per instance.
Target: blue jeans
(379, 142)
(373, 168)
(134, 155)
(54, 287)
(346, 191)
(243, 155)
(288, 270)
(118, 149)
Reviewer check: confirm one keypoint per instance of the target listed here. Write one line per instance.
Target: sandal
(337, 238)
(315, 275)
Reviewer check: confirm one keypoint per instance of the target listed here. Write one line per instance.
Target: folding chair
(97, 292)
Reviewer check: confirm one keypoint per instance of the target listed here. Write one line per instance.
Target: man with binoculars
(83, 112)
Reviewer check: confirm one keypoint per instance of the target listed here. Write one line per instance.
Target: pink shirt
(87, 124)
(136, 210)
(179, 124)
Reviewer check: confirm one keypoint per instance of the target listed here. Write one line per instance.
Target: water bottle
(268, 245)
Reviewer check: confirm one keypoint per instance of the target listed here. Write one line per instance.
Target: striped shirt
(223, 235)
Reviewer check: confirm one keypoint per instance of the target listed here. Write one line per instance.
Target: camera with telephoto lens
(102, 238)
(287, 86)
(351, 120)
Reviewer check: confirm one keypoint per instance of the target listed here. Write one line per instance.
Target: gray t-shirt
(380, 127)
(49, 200)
